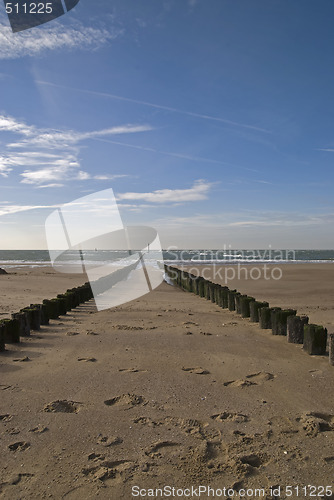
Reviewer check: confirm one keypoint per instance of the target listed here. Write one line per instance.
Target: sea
(41, 258)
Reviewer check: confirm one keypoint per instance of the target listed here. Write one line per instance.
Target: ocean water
(41, 258)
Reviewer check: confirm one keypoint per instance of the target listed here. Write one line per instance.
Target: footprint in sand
(88, 359)
(13, 431)
(72, 334)
(90, 332)
(155, 449)
(252, 379)
(108, 469)
(96, 457)
(6, 417)
(22, 360)
(62, 406)
(19, 446)
(260, 377)
(239, 383)
(198, 370)
(126, 400)
(109, 441)
(39, 429)
(234, 417)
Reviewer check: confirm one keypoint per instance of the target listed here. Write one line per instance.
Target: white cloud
(13, 209)
(50, 37)
(54, 139)
(197, 192)
(63, 164)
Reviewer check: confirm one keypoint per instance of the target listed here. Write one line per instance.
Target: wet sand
(165, 390)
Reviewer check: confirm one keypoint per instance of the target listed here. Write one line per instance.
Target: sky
(211, 120)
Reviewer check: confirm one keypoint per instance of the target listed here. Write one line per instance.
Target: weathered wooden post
(295, 329)
(62, 309)
(245, 303)
(206, 289)
(36, 316)
(12, 331)
(52, 308)
(210, 291)
(220, 295)
(67, 299)
(331, 348)
(76, 297)
(24, 322)
(315, 339)
(231, 300)
(254, 307)
(2, 337)
(201, 286)
(279, 320)
(237, 298)
(44, 314)
(224, 296)
(193, 283)
(179, 277)
(213, 292)
(265, 318)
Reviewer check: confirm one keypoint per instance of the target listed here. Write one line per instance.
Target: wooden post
(210, 291)
(24, 321)
(279, 320)
(237, 298)
(44, 314)
(224, 296)
(2, 337)
(62, 309)
(231, 300)
(68, 304)
(52, 308)
(221, 295)
(201, 286)
(315, 339)
(193, 283)
(206, 289)
(265, 317)
(295, 330)
(331, 348)
(254, 307)
(245, 302)
(12, 331)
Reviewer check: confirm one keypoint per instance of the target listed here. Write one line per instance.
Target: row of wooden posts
(35, 315)
(281, 321)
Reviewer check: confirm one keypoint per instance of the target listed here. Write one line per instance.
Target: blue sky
(212, 120)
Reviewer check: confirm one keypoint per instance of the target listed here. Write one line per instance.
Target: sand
(165, 390)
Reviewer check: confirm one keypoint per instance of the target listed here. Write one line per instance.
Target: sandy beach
(168, 389)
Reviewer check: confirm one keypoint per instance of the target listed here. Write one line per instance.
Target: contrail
(157, 106)
(175, 155)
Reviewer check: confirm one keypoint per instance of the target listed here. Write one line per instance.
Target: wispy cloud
(50, 38)
(54, 139)
(201, 116)
(13, 209)
(199, 191)
(45, 169)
